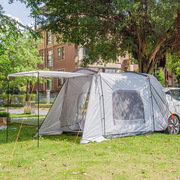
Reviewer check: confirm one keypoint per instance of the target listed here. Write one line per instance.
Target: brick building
(56, 57)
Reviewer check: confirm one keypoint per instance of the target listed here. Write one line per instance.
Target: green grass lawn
(13, 115)
(152, 156)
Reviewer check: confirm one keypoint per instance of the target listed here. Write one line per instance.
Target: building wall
(66, 64)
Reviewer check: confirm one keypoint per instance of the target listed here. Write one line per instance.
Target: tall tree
(147, 29)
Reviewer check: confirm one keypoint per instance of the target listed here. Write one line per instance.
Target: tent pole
(152, 103)
(7, 118)
(38, 111)
(102, 96)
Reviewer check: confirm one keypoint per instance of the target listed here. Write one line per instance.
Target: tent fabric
(104, 105)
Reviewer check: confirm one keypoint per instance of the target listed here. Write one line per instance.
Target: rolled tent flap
(48, 74)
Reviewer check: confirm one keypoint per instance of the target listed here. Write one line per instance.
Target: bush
(13, 105)
(33, 97)
(27, 110)
(4, 114)
(43, 105)
(2, 109)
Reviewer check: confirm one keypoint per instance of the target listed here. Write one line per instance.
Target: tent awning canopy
(59, 74)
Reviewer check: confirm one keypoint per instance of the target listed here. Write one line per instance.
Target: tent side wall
(160, 105)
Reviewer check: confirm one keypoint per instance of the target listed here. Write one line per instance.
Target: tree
(20, 55)
(147, 29)
(12, 37)
(18, 51)
(173, 64)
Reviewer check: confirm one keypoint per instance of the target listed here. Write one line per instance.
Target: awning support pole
(7, 118)
(38, 111)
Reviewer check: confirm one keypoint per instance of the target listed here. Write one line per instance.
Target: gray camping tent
(104, 105)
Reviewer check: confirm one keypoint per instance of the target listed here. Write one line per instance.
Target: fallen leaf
(29, 168)
(148, 136)
(65, 165)
(19, 165)
(53, 154)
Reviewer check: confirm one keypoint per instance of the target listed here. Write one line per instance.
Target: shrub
(33, 97)
(4, 114)
(27, 110)
(13, 105)
(2, 109)
(43, 105)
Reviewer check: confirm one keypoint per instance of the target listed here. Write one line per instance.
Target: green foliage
(2, 109)
(173, 63)
(146, 29)
(18, 99)
(43, 105)
(18, 51)
(160, 77)
(27, 110)
(4, 114)
(13, 105)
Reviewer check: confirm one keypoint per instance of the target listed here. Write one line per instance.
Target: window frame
(50, 61)
(63, 52)
(59, 54)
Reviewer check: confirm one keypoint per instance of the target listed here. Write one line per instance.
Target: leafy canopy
(147, 29)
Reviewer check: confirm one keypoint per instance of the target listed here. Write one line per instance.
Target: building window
(61, 80)
(85, 50)
(63, 53)
(50, 58)
(50, 84)
(49, 37)
(127, 105)
(76, 50)
(43, 56)
(59, 54)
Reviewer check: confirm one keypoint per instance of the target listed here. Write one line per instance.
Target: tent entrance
(75, 104)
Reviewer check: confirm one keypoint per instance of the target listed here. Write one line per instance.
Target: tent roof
(48, 74)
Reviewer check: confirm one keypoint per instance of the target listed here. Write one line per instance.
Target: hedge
(43, 105)
(4, 114)
(13, 105)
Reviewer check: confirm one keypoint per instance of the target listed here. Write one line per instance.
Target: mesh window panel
(127, 105)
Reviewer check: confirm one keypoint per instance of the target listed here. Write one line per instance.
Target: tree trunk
(12, 92)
